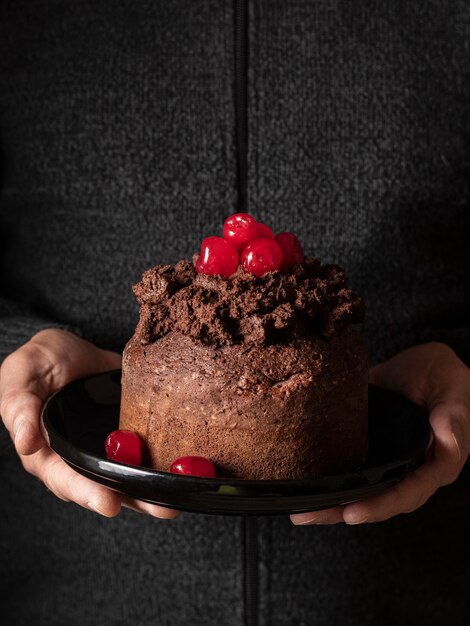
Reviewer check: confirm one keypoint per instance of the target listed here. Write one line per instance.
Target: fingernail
(302, 521)
(18, 425)
(354, 522)
(163, 517)
(313, 521)
(352, 519)
(93, 507)
(459, 452)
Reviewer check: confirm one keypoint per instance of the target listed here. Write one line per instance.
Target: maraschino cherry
(291, 249)
(193, 466)
(253, 244)
(217, 256)
(239, 229)
(265, 231)
(124, 446)
(262, 255)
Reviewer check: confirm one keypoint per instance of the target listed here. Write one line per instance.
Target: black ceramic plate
(79, 417)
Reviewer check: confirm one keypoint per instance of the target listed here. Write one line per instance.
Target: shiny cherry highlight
(217, 256)
(193, 466)
(239, 229)
(124, 446)
(262, 255)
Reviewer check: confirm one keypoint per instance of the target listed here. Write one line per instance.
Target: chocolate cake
(265, 376)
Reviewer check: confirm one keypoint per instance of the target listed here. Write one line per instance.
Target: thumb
(23, 390)
(394, 375)
(30, 374)
(420, 373)
(20, 411)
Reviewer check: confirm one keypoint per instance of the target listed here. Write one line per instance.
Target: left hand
(48, 361)
(432, 376)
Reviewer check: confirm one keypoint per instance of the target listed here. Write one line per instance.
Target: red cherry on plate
(124, 446)
(240, 229)
(193, 466)
(261, 255)
(291, 249)
(217, 256)
(265, 231)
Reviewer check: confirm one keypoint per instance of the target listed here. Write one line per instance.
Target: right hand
(50, 360)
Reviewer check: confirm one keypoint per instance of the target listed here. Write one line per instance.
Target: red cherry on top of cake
(217, 256)
(250, 243)
(265, 231)
(193, 466)
(262, 255)
(124, 446)
(239, 229)
(291, 250)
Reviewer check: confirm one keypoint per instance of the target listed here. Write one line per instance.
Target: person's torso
(119, 144)
(118, 130)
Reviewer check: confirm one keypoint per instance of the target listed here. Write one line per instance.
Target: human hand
(431, 375)
(50, 360)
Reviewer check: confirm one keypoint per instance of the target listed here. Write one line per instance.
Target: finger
(448, 455)
(450, 449)
(20, 411)
(23, 389)
(110, 360)
(390, 375)
(333, 515)
(379, 376)
(69, 485)
(68, 353)
(428, 375)
(405, 497)
(26, 369)
(162, 512)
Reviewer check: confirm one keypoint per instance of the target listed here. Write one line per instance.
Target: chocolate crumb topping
(311, 299)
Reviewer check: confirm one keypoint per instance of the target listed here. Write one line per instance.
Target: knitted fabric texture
(117, 130)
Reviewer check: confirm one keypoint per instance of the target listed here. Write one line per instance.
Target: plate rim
(81, 459)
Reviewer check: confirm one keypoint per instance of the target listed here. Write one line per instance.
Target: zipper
(250, 523)
(241, 100)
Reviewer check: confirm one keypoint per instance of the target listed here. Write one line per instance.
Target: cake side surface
(284, 411)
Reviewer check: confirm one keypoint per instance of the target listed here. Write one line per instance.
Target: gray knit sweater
(120, 150)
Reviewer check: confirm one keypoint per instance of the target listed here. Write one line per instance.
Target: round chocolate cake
(265, 376)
